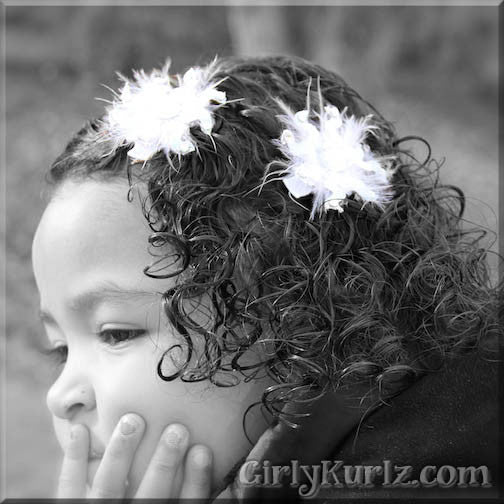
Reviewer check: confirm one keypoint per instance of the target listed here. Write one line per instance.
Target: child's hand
(160, 479)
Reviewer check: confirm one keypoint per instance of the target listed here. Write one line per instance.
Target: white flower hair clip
(330, 159)
(156, 111)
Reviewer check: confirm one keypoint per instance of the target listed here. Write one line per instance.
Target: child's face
(88, 255)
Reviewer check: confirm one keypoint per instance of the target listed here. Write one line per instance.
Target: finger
(162, 478)
(111, 476)
(197, 473)
(73, 476)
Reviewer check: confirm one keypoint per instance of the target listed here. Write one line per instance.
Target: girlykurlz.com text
(309, 479)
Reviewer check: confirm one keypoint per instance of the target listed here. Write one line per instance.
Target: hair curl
(366, 295)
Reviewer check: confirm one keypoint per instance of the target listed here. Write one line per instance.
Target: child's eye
(116, 336)
(58, 355)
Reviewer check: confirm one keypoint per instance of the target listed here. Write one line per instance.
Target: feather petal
(155, 111)
(330, 159)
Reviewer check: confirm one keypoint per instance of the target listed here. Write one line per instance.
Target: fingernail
(128, 425)
(202, 457)
(174, 435)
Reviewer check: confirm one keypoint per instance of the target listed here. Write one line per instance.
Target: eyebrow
(88, 300)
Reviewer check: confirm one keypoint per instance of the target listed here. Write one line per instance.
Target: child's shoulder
(448, 417)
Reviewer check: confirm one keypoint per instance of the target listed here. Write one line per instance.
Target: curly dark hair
(372, 295)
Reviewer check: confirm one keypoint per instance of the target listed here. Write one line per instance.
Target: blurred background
(430, 70)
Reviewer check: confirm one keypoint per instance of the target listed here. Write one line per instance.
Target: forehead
(88, 199)
(90, 225)
(80, 209)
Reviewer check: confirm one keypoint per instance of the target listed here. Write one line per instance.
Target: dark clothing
(446, 418)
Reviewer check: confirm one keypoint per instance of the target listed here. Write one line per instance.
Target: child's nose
(69, 394)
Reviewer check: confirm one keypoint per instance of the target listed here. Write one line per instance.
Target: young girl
(243, 267)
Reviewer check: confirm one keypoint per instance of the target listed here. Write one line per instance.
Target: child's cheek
(121, 389)
(129, 384)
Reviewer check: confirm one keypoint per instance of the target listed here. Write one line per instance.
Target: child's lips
(95, 457)
(96, 449)
(95, 453)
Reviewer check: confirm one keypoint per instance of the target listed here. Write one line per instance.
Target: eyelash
(59, 354)
(113, 340)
